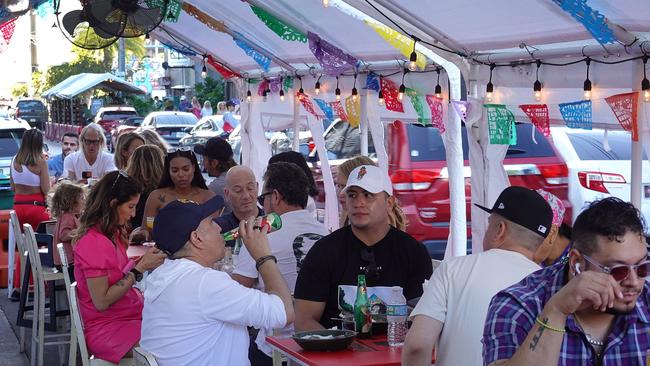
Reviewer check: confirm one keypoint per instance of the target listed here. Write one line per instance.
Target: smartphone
(86, 174)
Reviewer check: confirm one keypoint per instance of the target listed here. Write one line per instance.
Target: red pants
(28, 213)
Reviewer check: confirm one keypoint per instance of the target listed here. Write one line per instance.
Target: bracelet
(260, 261)
(545, 325)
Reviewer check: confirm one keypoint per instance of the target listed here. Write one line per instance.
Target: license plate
(32, 120)
(646, 190)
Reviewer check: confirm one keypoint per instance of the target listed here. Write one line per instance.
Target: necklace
(591, 340)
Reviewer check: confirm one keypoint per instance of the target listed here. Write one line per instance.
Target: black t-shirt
(229, 221)
(340, 257)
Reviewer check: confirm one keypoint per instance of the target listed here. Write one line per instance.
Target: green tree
(133, 46)
(210, 89)
(19, 90)
(58, 73)
(38, 81)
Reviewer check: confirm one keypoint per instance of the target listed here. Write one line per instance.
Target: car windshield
(115, 115)
(426, 144)
(133, 122)
(590, 145)
(10, 142)
(175, 120)
(30, 104)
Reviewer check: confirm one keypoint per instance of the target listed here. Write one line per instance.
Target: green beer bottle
(272, 221)
(362, 316)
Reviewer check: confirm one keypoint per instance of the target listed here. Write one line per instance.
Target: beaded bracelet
(545, 325)
(260, 261)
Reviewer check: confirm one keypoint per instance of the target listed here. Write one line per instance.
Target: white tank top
(26, 177)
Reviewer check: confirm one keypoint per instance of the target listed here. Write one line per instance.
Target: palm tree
(133, 46)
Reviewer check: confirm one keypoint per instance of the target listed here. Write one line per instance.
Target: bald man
(241, 192)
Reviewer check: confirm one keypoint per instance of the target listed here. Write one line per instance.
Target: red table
(363, 352)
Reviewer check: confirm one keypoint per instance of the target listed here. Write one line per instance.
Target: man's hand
(588, 289)
(254, 239)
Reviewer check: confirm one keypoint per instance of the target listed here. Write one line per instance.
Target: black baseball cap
(215, 148)
(525, 207)
(175, 222)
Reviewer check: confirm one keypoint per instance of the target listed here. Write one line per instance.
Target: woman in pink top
(111, 308)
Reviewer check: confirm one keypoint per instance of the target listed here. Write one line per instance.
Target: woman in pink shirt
(111, 308)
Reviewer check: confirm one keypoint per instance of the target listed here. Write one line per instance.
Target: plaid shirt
(512, 314)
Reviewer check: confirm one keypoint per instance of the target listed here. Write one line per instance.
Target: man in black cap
(460, 289)
(195, 315)
(217, 160)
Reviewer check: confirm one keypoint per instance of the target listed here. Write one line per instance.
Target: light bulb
(147, 40)
(488, 96)
(587, 94)
(355, 93)
(338, 94)
(249, 96)
(402, 90)
(413, 61)
(646, 96)
(381, 100)
(538, 95)
(587, 89)
(326, 3)
(317, 88)
(282, 95)
(438, 91)
(489, 91)
(264, 96)
(204, 72)
(645, 86)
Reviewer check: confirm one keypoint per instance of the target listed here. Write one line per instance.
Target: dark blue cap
(176, 221)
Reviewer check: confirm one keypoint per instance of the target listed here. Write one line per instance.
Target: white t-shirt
(77, 163)
(459, 293)
(194, 315)
(300, 230)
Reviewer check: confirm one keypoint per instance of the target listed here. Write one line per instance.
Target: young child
(65, 206)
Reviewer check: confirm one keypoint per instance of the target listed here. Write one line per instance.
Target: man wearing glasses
(92, 161)
(369, 245)
(589, 309)
(451, 313)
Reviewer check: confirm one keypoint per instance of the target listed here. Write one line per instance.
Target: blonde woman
(152, 137)
(207, 109)
(125, 146)
(30, 180)
(396, 215)
(145, 166)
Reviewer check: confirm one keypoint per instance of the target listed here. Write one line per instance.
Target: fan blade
(100, 9)
(108, 30)
(145, 18)
(71, 20)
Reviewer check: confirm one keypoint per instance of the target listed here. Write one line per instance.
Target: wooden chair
(41, 275)
(76, 325)
(143, 358)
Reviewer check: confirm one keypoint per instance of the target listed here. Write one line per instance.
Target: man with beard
(592, 306)
(69, 144)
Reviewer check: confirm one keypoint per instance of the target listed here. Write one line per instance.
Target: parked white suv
(596, 173)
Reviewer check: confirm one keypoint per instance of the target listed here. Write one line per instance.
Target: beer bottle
(272, 221)
(362, 316)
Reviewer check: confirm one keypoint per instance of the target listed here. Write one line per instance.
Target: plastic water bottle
(396, 311)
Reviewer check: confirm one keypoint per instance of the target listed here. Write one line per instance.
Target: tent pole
(363, 124)
(637, 148)
(579, 51)
(296, 123)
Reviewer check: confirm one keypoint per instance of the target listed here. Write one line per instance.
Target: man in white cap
(368, 246)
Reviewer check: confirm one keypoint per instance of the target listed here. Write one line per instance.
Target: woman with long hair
(207, 109)
(146, 165)
(152, 137)
(196, 107)
(125, 146)
(30, 179)
(111, 308)
(396, 215)
(181, 179)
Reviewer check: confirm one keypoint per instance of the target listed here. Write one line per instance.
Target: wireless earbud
(577, 268)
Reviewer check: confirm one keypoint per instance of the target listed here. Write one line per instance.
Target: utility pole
(32, 49)
(121, 58)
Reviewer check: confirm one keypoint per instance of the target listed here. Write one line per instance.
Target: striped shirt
(512, 314)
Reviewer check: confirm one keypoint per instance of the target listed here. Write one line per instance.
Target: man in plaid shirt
(591, 309)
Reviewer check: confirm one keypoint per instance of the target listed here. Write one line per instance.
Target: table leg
(277, 358)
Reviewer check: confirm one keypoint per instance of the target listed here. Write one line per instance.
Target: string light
(281, 89)
(355, 93)
(249, 95)
(204, 70)
(381, 100)
(645, 83)
(317, 86)
(147, 39)
(326, 3)
(337, 91)
(264, 95)
(537, 86)
(413, 58)
(438, 90)
(301, 90)
(587, 84)
(489, 89)
(402, 87)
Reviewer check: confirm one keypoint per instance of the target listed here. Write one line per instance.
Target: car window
(589, 145)
(10, 142)
(30, 104)
(115, 115)
(175, 119)
(135, 122)
(426, 143)
(343, 141)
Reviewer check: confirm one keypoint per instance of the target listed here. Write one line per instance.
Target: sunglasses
(260, 198)
(370, 269)
(120, 173)
(92, 142)
(622, 272)
(184, 150)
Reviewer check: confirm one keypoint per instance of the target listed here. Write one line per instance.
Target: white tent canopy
(77, 84)
(497, 31)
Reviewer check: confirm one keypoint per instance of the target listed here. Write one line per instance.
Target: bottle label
(396, 310)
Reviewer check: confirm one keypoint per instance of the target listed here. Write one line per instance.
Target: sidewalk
(8, 341)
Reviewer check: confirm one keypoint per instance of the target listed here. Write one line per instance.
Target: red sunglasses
(622, 272)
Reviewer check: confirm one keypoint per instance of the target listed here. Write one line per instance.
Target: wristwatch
(137, 274)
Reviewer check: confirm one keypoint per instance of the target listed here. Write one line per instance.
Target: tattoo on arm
(538, 335)
(124, 279)
(161, 198)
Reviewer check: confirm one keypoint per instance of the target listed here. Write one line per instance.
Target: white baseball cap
(370, 178)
